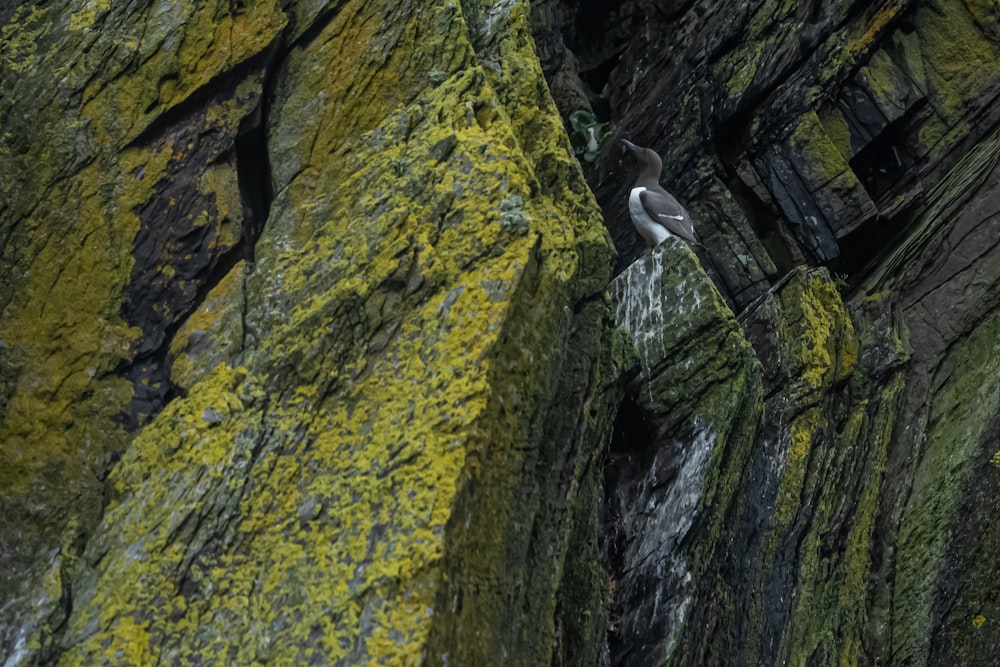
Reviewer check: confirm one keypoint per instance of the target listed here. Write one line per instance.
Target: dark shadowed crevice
(764, 220)
(867, 247)
(630, 452)
(201, 98)
(253, 166)
(885, 167)
(886, 160)
(179, 254)
(598, 35)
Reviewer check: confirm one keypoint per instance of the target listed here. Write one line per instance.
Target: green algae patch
(803, 433)
(760, 41)
(966, 628)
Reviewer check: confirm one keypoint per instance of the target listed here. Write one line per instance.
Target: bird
(655, 212)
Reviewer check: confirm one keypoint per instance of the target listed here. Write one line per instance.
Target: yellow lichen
(85, 17)
(836, 128)
(824, 163)
(66, 321)
(19, 37)
(212, 334)
(177, 65)
(803, 432)
(301, 507)
(829, 349)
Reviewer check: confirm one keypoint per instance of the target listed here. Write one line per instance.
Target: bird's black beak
(629, 145)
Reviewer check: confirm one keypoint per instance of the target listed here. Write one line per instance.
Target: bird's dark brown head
(650, 164)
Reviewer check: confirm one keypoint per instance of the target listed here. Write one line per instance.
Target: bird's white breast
(654, 232)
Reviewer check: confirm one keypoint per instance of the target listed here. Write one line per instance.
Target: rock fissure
(245, 153)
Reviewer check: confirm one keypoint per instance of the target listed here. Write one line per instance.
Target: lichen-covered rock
(825, 120)
(848, 492)
(385, 403)
(945, 278)
(120, 198)
(802, 565)
(680, 445)
(860, 137)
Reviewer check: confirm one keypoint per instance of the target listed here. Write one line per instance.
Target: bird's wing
(667, 211)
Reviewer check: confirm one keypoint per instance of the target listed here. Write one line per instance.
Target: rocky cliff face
(860, 138)
(310, 350)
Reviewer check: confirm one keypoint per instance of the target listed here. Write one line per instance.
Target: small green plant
(512, 215)
(587, 134)
(840, 281)
(437, 76)
(398, 166)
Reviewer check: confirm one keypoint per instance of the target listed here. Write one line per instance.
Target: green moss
(738, 67)
(836, 129)
(390, 60)
(960, 411)
(581, 617)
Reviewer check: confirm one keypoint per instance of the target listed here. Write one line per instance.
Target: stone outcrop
(315, 349)
(683, 438)
(860, 138)
(354, 339)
